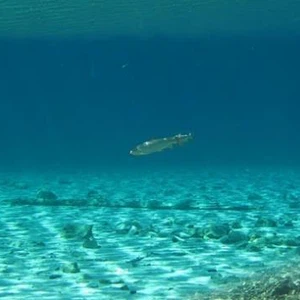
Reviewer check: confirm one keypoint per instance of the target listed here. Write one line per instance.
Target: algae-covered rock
(273, 284)
(283, 287)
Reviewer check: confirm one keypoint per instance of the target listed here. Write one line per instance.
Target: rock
(82, 233)
(90, 243)
(94, 198)
(190, 231)
(129, 227)
(153, 204)
(165, 232)
(184, 204)
(71, 268)
(268, 285)
(275, 240)
(234, 237)
(265, 222)
(253, 248)
(133, 230)
(46, 197)
(55, 276)
(78, 231)
(216, 231)
(134, 203)
(199, 232)
(168, 221)
(105, 281)
(236, 225)
(293, 242)
(21, 186)
(176, 239)
(297, 251)
(183, 234)
(124, 287)
(284, 287)
(64, 181)
(123, 227)
(288, 223)
(38, 244)
(93, 284)
(294, 204)
(254, 197)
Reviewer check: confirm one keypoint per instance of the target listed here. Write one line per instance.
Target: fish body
(158, 145)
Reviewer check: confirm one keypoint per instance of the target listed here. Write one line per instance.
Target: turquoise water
(82, 103)
(163, 233)
(193, 222)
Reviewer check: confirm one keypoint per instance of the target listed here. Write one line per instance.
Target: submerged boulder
(46, 197)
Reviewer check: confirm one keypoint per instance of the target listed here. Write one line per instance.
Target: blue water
(87, 103)
(197, 218)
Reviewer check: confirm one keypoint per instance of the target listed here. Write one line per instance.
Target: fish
(160, 144)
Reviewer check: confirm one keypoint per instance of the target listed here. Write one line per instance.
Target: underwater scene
(150, 151)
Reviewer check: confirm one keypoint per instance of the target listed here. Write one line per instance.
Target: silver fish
(158, 145)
